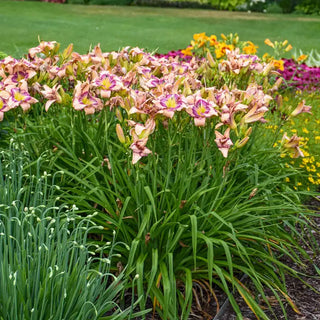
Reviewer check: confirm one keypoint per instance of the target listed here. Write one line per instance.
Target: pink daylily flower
(169, 104)
(139, 150)
(3, 104)
(84, 100)
(301, 108)
(107, 83)
(223, 142)
(200, 109)
(51, 94)
(43, 47)
(19, 96)
(292, 145)
(140, 134)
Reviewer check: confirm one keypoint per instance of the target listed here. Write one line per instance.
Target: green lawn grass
(151, 28)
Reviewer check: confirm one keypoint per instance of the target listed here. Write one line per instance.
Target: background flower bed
(86, 26)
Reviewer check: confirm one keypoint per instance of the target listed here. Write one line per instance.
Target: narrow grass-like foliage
(48, 270)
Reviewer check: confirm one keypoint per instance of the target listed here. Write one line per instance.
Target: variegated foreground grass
(48, 270)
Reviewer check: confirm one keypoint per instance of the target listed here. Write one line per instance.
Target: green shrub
(2, 55)
(214, 4)
(273, 7)
(288, 6)
(102, 2)
(308, 6)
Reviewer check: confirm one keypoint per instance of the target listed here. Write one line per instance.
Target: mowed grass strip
(162, 29)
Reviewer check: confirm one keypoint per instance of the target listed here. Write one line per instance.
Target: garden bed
(192, 171)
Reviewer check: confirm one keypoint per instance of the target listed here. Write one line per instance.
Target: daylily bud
(279, 101)
(210, 59)
(186, 91)
(248, 132)
(120, 133)
(67, 52)
(268, 68)
(69, 70)
(269, 43)
(233, 124)
(253, 193)
(241, 143)
(119, 115)
(277, 84)
(288, 48)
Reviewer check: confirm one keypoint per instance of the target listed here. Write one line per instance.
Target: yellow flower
(310, 178)
(213, 40)
(187, 51)
(278, 64)
(202, 43)
(269, 43)
(199, 36)
(305, 130)
(223, 37)
(221, 48)
(250, 48)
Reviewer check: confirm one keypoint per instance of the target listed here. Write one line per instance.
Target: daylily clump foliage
(145, 91)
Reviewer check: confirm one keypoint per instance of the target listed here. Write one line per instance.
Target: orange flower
(250, 48)
(266, 57)
(302, 57)
(187, 51)
(221, 49)
(200, 36)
